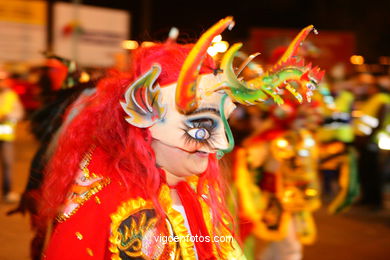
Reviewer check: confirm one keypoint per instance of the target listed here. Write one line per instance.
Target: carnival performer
(135, 175)
(277, 178)
(279, 164)
(275, 172)
(338, 158)
(370, 128)
(11, 111)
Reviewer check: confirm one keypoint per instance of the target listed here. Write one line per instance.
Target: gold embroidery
(84, 165)
(132, 236)
(80, 201)
(89, 251)
(97, 199)
(134, 232)
(84, 188)
(139, 225)
(79, 236)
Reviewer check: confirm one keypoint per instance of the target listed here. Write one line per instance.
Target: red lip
(202, 154)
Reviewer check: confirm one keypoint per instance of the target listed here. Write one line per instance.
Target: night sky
(369, 20)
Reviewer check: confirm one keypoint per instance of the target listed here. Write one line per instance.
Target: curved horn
(186, 84)
(294, 45)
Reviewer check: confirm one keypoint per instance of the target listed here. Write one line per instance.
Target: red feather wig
(131, 159)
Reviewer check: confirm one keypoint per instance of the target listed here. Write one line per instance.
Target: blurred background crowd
(51, 52)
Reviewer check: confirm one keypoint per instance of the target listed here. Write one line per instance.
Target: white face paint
(182, 143)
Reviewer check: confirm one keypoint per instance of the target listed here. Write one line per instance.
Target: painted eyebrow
(205, 109)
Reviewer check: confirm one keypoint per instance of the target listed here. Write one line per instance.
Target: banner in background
(326, 49)
(22, 30)
(90, 35)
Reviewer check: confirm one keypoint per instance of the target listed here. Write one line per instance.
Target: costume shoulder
(82, 229)
(86, 232)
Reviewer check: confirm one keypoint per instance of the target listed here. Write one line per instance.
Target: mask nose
(220, 140)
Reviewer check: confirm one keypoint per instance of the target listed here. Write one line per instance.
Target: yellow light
(221, 46)
(288, 194)
(147, 44)
(217, 38)
(282, 143)
(129, 45)
(311, 192)
(384, 141)
(357, 59)
(84, 77)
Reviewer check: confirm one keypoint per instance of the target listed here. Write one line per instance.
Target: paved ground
(359, 234)
(15, 231)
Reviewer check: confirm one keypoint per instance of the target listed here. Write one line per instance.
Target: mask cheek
(220, 142)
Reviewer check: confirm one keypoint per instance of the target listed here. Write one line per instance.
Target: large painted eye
(199, 133)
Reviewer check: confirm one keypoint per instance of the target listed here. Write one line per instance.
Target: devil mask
(188, 118)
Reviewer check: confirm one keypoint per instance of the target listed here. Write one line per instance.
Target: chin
(199, 167)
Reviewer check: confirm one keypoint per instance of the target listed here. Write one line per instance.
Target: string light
(357, 59)
(129, 45)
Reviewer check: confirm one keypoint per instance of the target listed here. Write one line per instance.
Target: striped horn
(186, 100)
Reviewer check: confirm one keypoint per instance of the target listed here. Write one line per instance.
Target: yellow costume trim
(344, 182)
(132, 206)
(253, 202)
(97, 187)
(228, 249)
(260, 230)
(308, 235)
(249, 194)
(177, 220)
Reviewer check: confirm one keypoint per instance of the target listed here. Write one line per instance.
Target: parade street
(358, 234)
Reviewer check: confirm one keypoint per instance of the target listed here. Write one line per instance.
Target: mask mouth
(202, 154)
(199, 152)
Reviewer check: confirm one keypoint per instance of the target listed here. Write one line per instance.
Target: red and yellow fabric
(289, 194)
(115, 223)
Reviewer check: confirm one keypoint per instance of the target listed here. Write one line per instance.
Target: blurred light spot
(384, 141)
(212, 51)
(147, 44)
(130, 45)
(357, 59)
(311, 192)
(173, 33)
(282, 143)
(221, 46)
(84, 77)
(217, 38)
